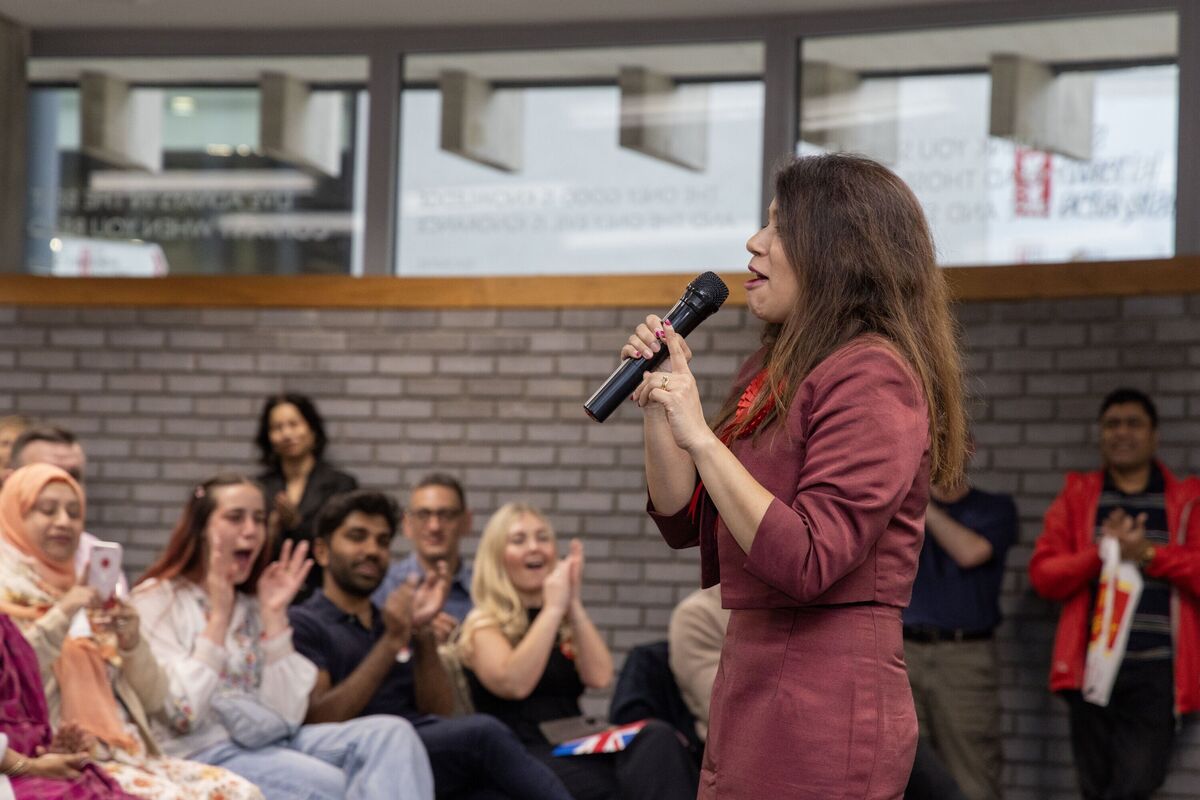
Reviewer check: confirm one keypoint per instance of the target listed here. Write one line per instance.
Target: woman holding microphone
(807, 496)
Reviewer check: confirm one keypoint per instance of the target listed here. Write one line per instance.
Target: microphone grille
(712, 287)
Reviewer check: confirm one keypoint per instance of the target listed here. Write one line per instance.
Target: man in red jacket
(1122, 750)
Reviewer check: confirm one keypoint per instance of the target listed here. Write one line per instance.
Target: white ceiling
(190, 71)
(58, 14)
(1097, 39)
(1112, 38)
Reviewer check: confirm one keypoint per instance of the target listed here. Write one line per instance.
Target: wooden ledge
(1018, 282)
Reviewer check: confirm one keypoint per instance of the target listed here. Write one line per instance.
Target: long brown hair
(186, 553)
(863, 255)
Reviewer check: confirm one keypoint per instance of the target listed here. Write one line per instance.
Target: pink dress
(811, 699)
(25, 726)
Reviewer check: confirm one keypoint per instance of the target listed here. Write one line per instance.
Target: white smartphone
(104, 568)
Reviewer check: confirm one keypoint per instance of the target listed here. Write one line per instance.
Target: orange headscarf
(20, 492)
(81, 667)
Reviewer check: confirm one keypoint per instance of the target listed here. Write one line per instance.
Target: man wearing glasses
(435, 521)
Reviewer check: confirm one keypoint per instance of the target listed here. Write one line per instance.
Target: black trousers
(655, 766)
(1122, 750)
(480, 758)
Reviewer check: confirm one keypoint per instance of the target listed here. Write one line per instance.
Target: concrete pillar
(843, 113)
(118, 125)
(1032, 106)
(299, 127)
(481, 124)
(14, 53)
(662, 119)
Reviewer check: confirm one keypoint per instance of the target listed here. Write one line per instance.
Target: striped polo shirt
(1150, 637)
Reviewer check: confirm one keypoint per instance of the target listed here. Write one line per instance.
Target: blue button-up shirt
(458, 601)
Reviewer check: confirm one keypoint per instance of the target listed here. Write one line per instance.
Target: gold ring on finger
(665, 380)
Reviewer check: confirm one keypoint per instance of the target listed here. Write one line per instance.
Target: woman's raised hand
(575, 570)
(282, 579)
(647, 339)
(556, 591)
(218, 580)
(675, 392)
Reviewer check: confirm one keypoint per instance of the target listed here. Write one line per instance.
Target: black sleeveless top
(555, 696)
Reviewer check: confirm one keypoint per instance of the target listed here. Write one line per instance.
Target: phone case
(104, 568)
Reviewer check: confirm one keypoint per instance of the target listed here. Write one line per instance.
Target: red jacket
(1066, 564)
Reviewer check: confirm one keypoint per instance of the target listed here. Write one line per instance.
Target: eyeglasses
(424, 515)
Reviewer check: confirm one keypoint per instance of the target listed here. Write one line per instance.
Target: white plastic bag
(1120, 589)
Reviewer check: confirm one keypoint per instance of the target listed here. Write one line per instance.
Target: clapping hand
(430, 595)
(284, 515)
(1130, 533)
(70, 739)
(575, 570)
(398, 611)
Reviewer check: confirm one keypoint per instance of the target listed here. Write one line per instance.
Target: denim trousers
(370, 758)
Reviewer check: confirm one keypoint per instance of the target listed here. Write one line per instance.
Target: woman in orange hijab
(88, 661)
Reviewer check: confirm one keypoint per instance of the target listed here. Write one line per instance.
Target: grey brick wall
(164, 397)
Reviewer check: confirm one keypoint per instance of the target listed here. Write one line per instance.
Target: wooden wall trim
(1020, 282)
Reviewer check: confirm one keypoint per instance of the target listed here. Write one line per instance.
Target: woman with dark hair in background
(807, 496)
(291, 443)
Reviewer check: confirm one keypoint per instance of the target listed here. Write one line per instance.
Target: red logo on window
(1032, 176)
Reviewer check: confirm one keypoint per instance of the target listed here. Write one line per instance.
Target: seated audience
(34, 764)
(355, 645)
(58, 446)
(436, 521)
(694, 639)
(531, 649)
(11, 427)
(97, 669)
(237, 691)
(291, 443)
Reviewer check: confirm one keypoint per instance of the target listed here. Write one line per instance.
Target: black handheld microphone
(701, 299)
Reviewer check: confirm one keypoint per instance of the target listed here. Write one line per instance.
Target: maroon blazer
(849, 468)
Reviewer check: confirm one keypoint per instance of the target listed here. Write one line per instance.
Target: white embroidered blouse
(173, 615)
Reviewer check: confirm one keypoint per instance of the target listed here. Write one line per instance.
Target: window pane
(204, 193)
(999, 199)
(574, 200)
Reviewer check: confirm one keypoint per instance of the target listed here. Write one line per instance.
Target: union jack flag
(607, 741)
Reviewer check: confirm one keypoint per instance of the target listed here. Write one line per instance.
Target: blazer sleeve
(1058, 569)
(868, 432)
(679, 530)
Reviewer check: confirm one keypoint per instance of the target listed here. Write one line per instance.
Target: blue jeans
(370, 758)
